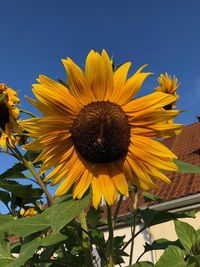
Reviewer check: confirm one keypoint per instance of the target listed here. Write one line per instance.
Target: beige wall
(167, 230)
(139, 242)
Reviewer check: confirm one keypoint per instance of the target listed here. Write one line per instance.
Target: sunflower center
(101, 132)
(4, 117)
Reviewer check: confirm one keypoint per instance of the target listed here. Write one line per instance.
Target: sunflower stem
(31, 168)
(85, 240)
(133, 228)
(110, 238)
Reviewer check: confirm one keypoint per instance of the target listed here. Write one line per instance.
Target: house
(182, 195)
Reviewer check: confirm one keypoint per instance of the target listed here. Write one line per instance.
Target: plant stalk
(85, 240)
(110, 238)
(31, 168)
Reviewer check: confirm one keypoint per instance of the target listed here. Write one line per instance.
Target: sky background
(35, 35)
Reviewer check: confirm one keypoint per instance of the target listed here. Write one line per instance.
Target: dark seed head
(4, 115)
(101, 132)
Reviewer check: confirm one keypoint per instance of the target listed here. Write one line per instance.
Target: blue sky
(35, 35)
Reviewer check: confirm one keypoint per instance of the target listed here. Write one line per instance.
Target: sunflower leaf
(5, 254)
(184, 167)
(26, 193)
(152, 217)
(14, 172)
(25, 226)
(4, 197)
(61, 214)
(28, 249)
(161, 244)
(173, 256)
(150, 197)
(186, 234)
(142, 264)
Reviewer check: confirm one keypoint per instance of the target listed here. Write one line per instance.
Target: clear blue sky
(35, 35)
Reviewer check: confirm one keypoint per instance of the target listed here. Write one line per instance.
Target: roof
(187, 148)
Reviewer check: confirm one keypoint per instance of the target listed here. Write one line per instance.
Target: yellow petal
(96, 192)
(132, 86)
(79, 86)
(96, 73)
(148, 103)
(119, 78)
(74, 174)
(82, 185)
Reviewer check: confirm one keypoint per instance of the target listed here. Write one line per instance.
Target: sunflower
(95, 134)
(28, 212)
(168, 85)
(8, 115)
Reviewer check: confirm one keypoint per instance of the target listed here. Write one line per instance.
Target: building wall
(138, 245)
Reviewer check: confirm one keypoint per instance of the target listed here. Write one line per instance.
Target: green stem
(131, 239)
(118, 208)
(133, 228)
(86, 241)
(31, 168)
(110, 238)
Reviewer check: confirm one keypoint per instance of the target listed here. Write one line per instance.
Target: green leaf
(4, 197)
(28, 249)
(14, 172)
(142, 264)
(184, 167)
(31, 155)
(161, 244)
(186, 234)
(152, 217)
(5, 218)
(5, 255)
(150, 197)
(27, 193)
(192, 262)
(94, 217)
(6, 261)
(63, 213)
(56, 216)
(173, 256)
(25, 226)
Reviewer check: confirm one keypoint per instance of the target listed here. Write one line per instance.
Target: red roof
(187, 148)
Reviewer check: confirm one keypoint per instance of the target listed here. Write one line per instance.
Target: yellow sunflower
(168, 85)
(8, 115)
(95, 134)
(28, 212)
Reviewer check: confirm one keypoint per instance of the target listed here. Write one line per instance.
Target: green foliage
(152, 217)
(142, 264)
(94, 217)
(29, 248)
(184, 167)
(150, 197)
(4, 197)
(14, 172)
(61, 214)
(118, 252)
(186, 234)
(173, 256)
(24, 193)
(161, 244)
